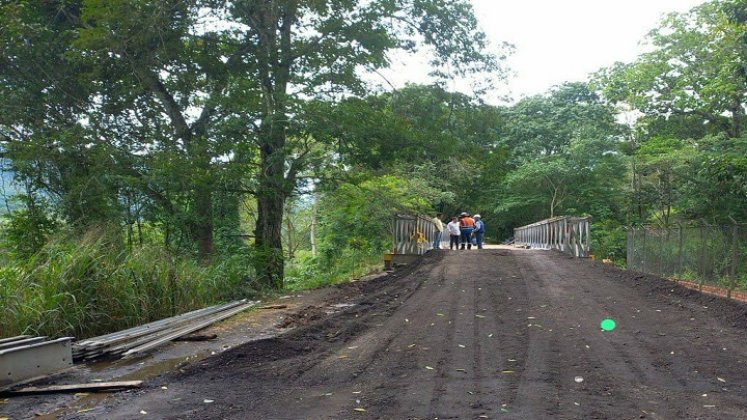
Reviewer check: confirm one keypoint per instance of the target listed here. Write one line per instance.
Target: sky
(556, 40)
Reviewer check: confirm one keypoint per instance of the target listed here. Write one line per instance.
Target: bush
(91, 285)
(307, 272)
(608, 240)
(25, 232)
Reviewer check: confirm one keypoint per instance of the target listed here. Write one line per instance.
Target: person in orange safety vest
(466, 226)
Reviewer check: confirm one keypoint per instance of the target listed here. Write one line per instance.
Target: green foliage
(564, 158)
(92, 286)
(25, 231)
(608, 241)
(354, 223)
(181, 103)
(719, 189)
(359, 216)
(695, 69)
(307, 272)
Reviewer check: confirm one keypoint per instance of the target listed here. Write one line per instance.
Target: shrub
(92, 285)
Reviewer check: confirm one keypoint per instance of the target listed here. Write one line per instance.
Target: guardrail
(567, 234)
(413, 235)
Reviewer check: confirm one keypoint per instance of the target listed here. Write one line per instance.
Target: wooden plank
(275, 306)
(62, 389)
(197, 337)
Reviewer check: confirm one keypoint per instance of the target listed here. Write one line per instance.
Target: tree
(191, 93)
(564, 155)
(664, 167)
(697, 68)
(445, 137)
(543, 125)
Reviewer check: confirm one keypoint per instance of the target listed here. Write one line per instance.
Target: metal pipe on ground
(155, 325)
(188, 330)
(102, 345)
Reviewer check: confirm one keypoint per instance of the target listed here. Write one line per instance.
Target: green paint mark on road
(608, 324)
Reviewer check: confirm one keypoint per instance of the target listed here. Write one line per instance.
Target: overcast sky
(557, 40)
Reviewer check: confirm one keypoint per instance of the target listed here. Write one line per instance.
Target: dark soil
(480, 334)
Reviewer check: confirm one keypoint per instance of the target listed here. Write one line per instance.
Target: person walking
(439, 230)
(479, 231)
(466, 226)
(454, 232)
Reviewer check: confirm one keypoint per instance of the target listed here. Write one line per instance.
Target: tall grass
(92, 285)
(307, 272)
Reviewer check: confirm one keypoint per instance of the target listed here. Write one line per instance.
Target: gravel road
(500, 333)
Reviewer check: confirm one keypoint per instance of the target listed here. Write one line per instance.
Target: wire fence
(714, 254)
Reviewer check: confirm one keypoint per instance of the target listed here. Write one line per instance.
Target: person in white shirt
(454, 233)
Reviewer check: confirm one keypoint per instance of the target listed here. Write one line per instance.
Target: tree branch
(154, 84)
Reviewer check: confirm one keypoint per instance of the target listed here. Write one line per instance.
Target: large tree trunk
(271, 196)
(203, 224)
(736, 119)
(275, 59)
(270, 206)
(312, 233)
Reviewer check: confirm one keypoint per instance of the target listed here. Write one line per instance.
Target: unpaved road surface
(480, 334)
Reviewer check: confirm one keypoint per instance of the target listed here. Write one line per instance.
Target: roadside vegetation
(163, 177)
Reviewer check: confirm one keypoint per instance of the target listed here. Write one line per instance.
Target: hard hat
(477, 216)
(464, 213)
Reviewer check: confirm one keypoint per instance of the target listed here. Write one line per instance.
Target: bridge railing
(413, 234)
(567, 234)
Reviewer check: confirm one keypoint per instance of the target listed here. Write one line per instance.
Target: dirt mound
(303, 317)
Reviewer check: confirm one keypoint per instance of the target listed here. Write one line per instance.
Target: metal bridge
(413, 235)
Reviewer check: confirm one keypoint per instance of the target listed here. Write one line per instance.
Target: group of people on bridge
(464, 231)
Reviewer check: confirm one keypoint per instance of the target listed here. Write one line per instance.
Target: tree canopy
(187, 105)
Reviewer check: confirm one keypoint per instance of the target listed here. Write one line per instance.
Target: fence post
(703, 248)
(681, 256)
(644, 253)
(734, 247)
(662, 249)
(627, 246)
(587, 223)
(629, 257)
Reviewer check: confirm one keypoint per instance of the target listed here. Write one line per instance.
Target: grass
(99, 282)
(307, 272)
(90, 286)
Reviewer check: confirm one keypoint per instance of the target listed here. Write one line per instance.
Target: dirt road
(481, 334)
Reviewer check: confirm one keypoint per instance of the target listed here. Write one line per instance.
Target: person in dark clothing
(479, 231)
